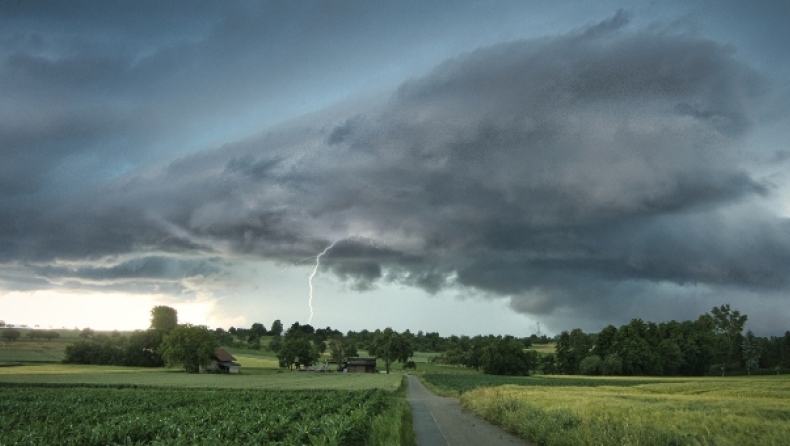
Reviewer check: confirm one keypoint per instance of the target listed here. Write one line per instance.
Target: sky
(501, 167)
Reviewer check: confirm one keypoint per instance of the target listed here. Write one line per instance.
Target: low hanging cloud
(567, 173)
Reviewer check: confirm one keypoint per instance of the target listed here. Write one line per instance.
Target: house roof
(222, 355)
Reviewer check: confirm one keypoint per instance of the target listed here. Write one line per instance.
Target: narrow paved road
(441, 421)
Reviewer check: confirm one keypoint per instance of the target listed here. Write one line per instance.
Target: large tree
(258, 329)
(506, 356)
(390, 346)
(728, 325)
(190, 346)
(341, 348)
(277, 328)
(297, 349)
(164, 318)
(572, 348)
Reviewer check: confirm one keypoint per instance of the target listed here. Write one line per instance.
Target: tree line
(714, 343)
(143, 348)
(12, 334)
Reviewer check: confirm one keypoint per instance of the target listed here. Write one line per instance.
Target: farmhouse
(361, 365)
(223, 362)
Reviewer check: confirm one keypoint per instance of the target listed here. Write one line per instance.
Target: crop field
(99, 416)
(706, 411)
(455, 384)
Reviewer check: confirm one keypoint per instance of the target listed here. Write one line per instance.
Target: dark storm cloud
(569, 172)
(151, 267)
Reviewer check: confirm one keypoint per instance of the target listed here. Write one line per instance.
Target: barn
(223, 362)
(361, 365)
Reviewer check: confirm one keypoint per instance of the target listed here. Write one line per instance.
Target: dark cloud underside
(558, 172)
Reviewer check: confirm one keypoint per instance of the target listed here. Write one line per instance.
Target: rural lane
(441, 421)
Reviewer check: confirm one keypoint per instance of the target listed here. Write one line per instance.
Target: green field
(587, 411)
(118, 376)
(544, 349)
(27, 350)
(54, 403)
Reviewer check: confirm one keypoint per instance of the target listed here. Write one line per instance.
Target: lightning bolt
(312, 274)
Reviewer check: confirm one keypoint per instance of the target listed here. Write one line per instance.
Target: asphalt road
(441, 421)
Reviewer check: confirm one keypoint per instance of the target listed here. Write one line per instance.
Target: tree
(591, 365)
(190, 346)
(728, 324)
(637, 356)
(143, 349)
(297, 349)
(390, 346)
(253, 342)
(572, 348)
(548, 364)
(669, 356)
(258, 329)
(277, 328)
(275, 344)
(341, 349)
(751, 352)
(604, 341)
(612, 365)
(164, 318)
(86, 332)
(506, 356)
(9, 334)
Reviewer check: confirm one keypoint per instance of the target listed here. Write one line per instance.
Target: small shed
(223, 362)
(361, 365)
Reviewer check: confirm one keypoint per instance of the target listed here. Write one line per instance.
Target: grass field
(26, 350)
(707, 411)
(119, 376)
(544, 349)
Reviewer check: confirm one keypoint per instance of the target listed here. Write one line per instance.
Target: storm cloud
(572, 174)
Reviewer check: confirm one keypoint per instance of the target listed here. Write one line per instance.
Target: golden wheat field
(707, 411)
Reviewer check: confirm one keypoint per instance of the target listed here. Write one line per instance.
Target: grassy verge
(705, 411)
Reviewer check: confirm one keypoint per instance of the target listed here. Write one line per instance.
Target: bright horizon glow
(99, 311)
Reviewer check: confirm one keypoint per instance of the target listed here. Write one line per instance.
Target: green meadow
(127, 376)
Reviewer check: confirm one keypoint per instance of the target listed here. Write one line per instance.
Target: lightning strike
(312, 274)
